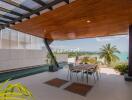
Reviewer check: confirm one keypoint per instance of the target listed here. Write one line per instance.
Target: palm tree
(108, 53)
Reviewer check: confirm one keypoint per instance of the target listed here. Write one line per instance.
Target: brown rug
(78, 88)
(56, 82)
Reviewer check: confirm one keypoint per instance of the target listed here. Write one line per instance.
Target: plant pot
(52, 68)
(121, 73)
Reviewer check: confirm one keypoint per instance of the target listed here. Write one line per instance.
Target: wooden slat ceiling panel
(107, 17)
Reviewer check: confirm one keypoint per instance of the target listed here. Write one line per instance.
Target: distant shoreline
(122, 55)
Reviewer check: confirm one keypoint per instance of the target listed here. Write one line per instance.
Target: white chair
(92, 71)
(71, 71)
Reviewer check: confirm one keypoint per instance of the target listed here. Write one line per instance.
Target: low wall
(71, 60)
(18, 58)
(61, 57)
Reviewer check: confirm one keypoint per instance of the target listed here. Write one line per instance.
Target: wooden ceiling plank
(81, 19)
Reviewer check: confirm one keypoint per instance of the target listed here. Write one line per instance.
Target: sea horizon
(123, 56)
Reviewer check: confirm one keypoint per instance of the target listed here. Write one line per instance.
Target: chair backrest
(93, 69)
(96, 69)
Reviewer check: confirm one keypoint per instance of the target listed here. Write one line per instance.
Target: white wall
(18, 58)
(71, 60)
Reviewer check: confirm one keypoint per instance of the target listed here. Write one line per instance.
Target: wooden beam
(40, 2)
(17, 5)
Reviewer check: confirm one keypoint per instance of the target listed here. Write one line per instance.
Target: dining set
(84, 70)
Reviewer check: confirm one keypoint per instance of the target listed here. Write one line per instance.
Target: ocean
(123, 56)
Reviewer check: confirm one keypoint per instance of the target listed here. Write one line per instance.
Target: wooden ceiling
(81, 19)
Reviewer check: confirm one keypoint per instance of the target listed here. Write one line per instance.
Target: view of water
(123, 56)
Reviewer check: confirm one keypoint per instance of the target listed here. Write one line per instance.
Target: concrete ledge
(128, 78)
(18, 69)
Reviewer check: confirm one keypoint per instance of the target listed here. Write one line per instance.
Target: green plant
(108, 53)
(50, 59)
(14, 92)
(88, 60)
(92, 60)
(122, 68)
(85, 60)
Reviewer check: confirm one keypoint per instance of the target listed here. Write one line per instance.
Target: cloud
(103, 39)
(59, 46)
(110, 38)
(65, 48)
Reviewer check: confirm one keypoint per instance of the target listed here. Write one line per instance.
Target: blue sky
(93, 44)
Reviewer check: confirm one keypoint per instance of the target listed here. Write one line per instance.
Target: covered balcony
(29, 27)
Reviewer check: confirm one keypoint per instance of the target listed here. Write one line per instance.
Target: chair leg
(87, 77)
(97, 74)
(82, 75)
(77, 76)
(94, 78)
(68, 75)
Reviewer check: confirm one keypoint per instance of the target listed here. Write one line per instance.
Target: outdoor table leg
(70, 75)
(97, 74)
(77, 75)
(87, 76)
(82, 76)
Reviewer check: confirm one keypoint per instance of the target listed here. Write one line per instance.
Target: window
(36, 43)
(40, 43)
(28, 41)
(21, 40)
(33, 42)
(14, 39)
(6, 38)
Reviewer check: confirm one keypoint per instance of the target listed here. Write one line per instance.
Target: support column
(47, 43)
(128, 77)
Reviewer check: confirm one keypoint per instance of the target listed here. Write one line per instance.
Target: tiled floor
(111, 86)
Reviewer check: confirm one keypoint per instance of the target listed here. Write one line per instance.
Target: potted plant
(51, 63)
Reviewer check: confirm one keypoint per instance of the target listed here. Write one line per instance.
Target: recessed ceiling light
(44, 30)
(88, 21)
(71, 35)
